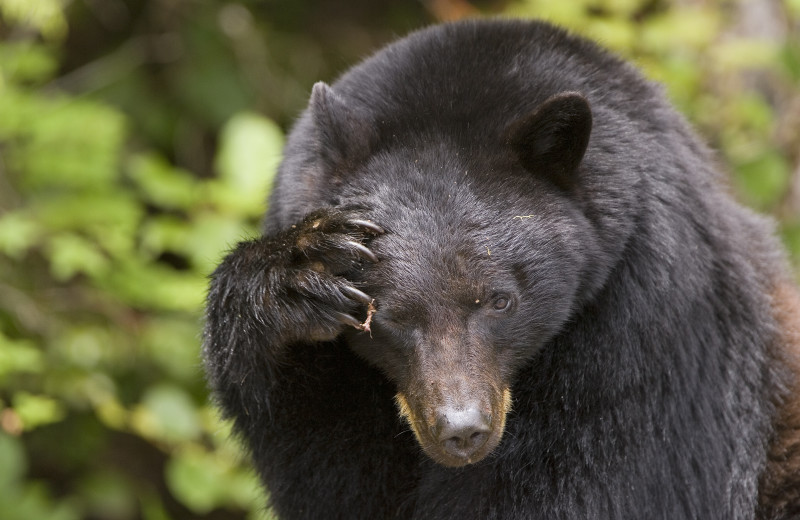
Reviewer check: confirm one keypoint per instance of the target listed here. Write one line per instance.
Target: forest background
(138, 139)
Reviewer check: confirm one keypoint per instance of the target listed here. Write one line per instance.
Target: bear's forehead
(429, 271)
(442, 186)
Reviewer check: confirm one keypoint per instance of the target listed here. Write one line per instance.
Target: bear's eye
(501, 302)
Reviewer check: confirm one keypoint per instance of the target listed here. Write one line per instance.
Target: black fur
(501, 158)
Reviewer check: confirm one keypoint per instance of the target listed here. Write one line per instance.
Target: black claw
(348, 320)
(367, 224)
(363, 251)
(352, 292)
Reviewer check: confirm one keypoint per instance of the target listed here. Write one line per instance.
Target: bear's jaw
(455, 441)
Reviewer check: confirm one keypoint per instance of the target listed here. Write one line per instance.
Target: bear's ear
(552, 139)
(344, 136)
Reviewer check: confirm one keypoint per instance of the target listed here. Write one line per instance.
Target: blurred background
(137, 143)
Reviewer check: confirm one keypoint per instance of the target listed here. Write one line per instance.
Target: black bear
(499, 279)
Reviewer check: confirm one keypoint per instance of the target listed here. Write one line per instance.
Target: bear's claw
(355, 294)
(367, 224)
(348, 320)
(363, 251)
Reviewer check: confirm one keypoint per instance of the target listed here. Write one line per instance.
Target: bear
(501, 278)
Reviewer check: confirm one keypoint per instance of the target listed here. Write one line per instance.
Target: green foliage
(46, 16)
(201, 479)
(250, 149)
(105, 248)
(133, 155)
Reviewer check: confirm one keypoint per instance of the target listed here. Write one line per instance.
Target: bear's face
(468, 288)
(485, 256)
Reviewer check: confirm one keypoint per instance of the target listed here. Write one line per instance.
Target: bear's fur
(499, 279)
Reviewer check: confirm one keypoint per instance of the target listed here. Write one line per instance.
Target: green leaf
(194, 477)
(790, 59)
(85, 346)
(152, 507)
(790, 233)
(155, 287)
(162, 233)
(211, 236)
(34, 501)
(12, 461)
(111, 219)
(249, 153)
(203, 481)
(37, 410)
(86, 211)
(167, 413)
(680, 28)
(754, 113)
(69, 144)
(18, 233)
(26, 61)
(622, 8)
(763, 180)
(46, 16)
(172, 342)
(111, 413)
(613, 33)
(568, 14)
(203, 240)
(19, 356)
(71, 254)
(680, 74)
(18, 112)
(162, 184)
(740, 53)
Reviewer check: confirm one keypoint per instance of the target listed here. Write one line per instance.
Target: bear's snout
(462, 432)
(453, 432)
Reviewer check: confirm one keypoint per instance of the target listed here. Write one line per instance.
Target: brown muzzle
(454, 429)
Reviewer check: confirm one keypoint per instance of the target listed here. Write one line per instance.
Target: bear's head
(486, 255)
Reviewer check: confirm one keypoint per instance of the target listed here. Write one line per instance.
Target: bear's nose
(461, 432)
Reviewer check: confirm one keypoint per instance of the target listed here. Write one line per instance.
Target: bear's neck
(674, 351)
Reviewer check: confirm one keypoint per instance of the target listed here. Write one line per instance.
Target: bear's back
(470, 79)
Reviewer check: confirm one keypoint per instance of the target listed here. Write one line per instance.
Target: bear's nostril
(454, 443)
(478, 438)
(462, 432)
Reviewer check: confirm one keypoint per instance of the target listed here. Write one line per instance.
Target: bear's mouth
(457, 434)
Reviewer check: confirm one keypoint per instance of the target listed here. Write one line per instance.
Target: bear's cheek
(455, 405)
